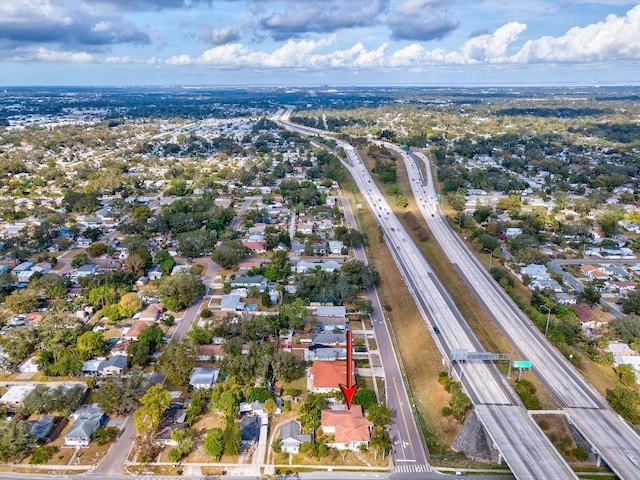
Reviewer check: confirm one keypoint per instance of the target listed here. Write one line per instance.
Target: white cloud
(121, 60)
(46, 55)
(103, 26)
(492, 47)
(615, 38)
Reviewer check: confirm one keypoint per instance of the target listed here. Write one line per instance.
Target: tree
(590, 294)
(15, 439)
(310, 412)
(129, 304)
(152, 406)
(178, 291)
(232, 437)
(270, 406)
(197, 243)
(379, 414)
(102, 296)
(229, 254)
(19, 343)
(365, 397)
(119, 395)
(51, 285)
(90, 344)
(43, 454)
(22, 301)
(184, 438)
(626, 328)
(626, 374)
(177, 361)
(625, 401)
(286, 366)
(214, 443)
(137, 261)
(631, 304)
(79, 260)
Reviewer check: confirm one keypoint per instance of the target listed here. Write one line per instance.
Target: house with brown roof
(207, 353)
(136, 329)
(325, 376)
(593, 273)
(350, 428)
(151, 312)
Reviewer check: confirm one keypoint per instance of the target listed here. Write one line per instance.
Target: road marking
(406, 426)
(414, 468)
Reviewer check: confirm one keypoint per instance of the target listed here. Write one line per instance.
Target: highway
(404, 433)
(611, 437)
(523, 445)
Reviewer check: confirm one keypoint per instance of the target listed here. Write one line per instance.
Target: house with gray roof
(257, 281)
(87, 420)
(329, 338)
(291, 437)
(203, 378)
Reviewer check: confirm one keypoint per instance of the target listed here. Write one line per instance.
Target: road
(404, 433)
(526, 449)
(612, 438)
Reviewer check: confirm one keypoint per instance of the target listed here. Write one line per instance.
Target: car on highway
(436, 329)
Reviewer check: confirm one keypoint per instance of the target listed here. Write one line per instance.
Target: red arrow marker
(349, 390)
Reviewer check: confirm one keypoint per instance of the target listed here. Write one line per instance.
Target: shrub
(43, 454)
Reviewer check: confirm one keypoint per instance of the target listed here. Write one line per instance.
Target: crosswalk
(412, 468)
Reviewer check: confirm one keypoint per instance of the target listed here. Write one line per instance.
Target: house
(231, 303)
(87, 420)
(257, 281)
(542, 284)
(91, 367)
(250, 430)
(23, 267)
(336, 339)
(30, 365)
(339, 311)
(41, 427)
(87, 270)
(151, 312)
(15, 395)
(203, 378)
(325, 376)
(291, 437)
(324, 353)
(181, 269)
(535, 272)
(335, 247)
(623, 287)
(155, 272)
(142, 281)
(593, 273)
(120, 348)
(565, 299)
(113, 365)
(349, 427)
(207, 353)
(513, 232)
(136, 329)
(257, 246)
(254, 408)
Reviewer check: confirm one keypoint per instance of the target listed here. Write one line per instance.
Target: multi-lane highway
(611, 438)
(522, 444)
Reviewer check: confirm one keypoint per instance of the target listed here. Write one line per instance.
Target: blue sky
(305, 42)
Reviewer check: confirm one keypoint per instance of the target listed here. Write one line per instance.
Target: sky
(321, 42)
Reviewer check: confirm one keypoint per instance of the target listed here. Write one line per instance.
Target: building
(291, 437)
(41, 427)
(325, 376)
(210, 353)
(231, 303)
(15, 395)
(249, 430)
(349, 427)
(203, 378)
(87, 419)
(151, 312)
(155, 272)
(339, 311)
(136, 329)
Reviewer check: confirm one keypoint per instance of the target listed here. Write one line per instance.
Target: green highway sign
(522, 364)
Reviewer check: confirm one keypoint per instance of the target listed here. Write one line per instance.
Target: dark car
(436, 329)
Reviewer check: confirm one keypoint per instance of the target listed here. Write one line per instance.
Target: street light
(546, 329)
(491, 256)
